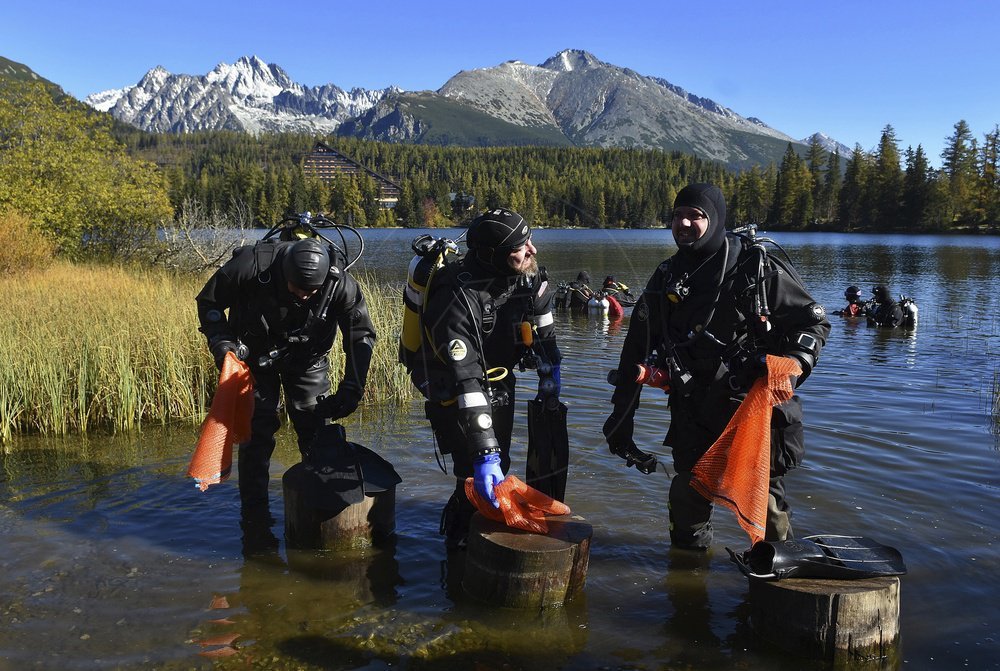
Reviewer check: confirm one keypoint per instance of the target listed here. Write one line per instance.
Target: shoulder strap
(264, 253)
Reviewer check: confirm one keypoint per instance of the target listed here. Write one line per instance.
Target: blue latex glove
(486, 474)
(549, 385)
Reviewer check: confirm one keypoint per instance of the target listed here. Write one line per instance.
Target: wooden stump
(356, 525)
(517, 569)
(838, 620)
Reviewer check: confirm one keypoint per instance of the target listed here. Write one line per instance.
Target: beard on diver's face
(527, 267)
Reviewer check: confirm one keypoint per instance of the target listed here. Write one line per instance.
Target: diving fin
(821, 556)
(337, 473)
(548, 447)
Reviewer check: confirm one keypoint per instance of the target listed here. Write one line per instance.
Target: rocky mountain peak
(251, 77)
(569, 60)
(155, 78)
(573, 98)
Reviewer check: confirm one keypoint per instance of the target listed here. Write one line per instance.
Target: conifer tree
(959, 168)
(988, 192)
(850, 206)
(816, 161)
(886, 183)
(917, 187)
(832, 180)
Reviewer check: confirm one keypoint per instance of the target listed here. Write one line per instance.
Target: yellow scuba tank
(430, 255)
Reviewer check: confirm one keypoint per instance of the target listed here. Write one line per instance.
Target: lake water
(113, 559)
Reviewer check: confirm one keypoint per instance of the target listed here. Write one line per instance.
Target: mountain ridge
(572, 98)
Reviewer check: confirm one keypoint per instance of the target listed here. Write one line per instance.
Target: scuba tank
(598, 304)
(910, 311)
(430, 255)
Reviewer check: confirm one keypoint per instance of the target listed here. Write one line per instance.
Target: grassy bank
(88, 347)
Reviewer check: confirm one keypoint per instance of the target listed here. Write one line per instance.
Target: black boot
(455, 518)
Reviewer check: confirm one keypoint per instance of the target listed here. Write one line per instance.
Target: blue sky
(844, 68)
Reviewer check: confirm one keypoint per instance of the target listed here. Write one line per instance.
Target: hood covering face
(709, 199)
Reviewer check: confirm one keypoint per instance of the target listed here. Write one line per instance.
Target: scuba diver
(277, 305)
(703, 323)
(855, 306)
(482, 316)
(580, 292)
(884, 311)
(620, 291)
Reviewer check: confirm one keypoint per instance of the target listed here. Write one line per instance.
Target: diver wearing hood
(700, 318)
(884, 310)
(475, 314)
(580, 292)
(278, 306)
(855, 307)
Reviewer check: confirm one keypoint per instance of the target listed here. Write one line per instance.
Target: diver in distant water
(580, 292)
(619, 290)
(884, 311)
(855, 306)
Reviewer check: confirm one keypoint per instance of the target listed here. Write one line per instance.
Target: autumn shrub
(22, 246)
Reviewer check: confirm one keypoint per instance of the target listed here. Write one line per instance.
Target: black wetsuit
(269, 320)
(699, 333)
(579, 296)
(888, 314)
(473, 318)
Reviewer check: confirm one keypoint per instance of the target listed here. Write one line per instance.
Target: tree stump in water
(839, 620)
(309, 524)
(517, 569)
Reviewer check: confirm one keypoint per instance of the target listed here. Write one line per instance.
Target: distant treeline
(882, 190)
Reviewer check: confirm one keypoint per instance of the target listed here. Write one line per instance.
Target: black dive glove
(745, 369)
(341, 404)
(618, 431)
(220, 347)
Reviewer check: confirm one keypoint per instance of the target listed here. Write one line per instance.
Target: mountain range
(572, 99)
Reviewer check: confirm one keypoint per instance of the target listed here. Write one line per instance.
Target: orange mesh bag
(521, 506)
(736, 468)
(227, 424)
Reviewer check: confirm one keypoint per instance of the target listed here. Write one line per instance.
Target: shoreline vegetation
(110, 348)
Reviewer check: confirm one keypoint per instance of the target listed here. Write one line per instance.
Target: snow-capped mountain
(829, 144)
(594, 103)
(573, 98)
(248, 95)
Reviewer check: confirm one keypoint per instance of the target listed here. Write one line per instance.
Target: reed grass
(97, 347)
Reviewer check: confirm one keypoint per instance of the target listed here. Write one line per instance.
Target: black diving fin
(821, 556)
(336, 473)
(548, 447)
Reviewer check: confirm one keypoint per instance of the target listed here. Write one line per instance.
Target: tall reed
(85, 347)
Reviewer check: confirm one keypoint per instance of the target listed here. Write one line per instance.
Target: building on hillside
(328, 164)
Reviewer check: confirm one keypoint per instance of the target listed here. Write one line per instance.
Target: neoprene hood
(306, 264)
(709, 199)
(495, 234)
